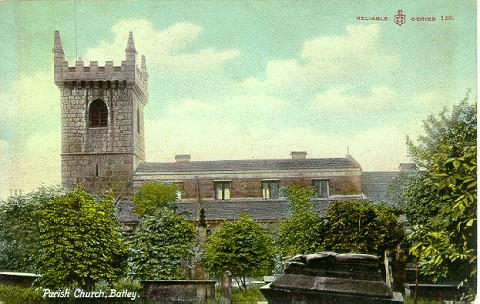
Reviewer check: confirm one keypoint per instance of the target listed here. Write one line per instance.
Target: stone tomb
(329, 277)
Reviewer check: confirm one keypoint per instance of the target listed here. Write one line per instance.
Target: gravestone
(226, 297)
(329, 277)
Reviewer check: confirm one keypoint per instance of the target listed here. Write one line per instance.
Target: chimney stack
(182, 158)
(299, 154)
(407, 167)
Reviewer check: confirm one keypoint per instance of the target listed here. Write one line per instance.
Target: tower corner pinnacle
(57, 46)
(143, 66)
(130, 45)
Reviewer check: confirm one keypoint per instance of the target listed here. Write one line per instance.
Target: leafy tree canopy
(446, 243)
(242, 248)
(300, 232)
(446, 135)
(411, 192)
(81, 242)
(154, 196)
(19, 231)
(159, 244)
(361, 227)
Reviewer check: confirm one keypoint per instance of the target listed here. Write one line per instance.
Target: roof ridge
(247, 159)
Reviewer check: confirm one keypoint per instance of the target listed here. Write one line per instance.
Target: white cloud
(36, 94)
(240, 127)
(31, 163)
(383, 148)
(7, 100)
(256, 104)
(172, 49)
(253, 107)
(189, 108)
(356, 49)
(30, 145)
(379, 148)
(5, 163)
(431, 101)
(340, 99)
(34, 106)
(215, 129)
(355, 53)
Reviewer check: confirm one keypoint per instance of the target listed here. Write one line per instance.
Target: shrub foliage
(159, 244)
(300, 231)
(361, 227)
(242, 248)
(19, 231)
(81, 243)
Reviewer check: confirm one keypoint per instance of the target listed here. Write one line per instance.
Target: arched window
(97, 114)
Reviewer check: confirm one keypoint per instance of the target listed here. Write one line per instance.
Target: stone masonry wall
(251, 187)
(101, 158)
(98, 172)
(121, 135)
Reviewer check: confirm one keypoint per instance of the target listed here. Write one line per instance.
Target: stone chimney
(299, 154)
(182, 158)
(407, 167)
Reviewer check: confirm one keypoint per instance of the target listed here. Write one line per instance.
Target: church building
(103, 148)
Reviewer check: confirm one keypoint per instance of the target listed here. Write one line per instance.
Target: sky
(242, 79)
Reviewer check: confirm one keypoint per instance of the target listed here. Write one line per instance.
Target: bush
(250, 295)
(159, 244)
(242, 248)
(19, 231)
(152, 197)
(81, 243)
(300, 231)
(361, 227)
(16, 294)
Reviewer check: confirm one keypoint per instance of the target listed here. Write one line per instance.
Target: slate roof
(259, 210)
(375, 184)
(248, 165)
(265, 210)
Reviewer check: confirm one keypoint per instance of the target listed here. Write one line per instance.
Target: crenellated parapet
(91, 76)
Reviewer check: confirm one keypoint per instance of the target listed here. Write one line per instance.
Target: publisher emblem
(400, 18)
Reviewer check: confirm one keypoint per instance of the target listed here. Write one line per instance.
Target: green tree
(81, 242)
(410, 192)
(361, 227)
(19, 231)
(242, 248)
(446, 136)
(300, 231)
(163, 238)
(159, 244)
(446, 243)
(153, 196)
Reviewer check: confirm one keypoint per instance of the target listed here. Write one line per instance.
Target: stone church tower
(102, 120)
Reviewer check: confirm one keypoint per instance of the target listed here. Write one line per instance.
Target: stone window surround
(317, 185)
(97, 114)
(222, 189)
(270, 188)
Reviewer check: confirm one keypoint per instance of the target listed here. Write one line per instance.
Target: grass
(409, 300)
(10, 294)
(26, 295)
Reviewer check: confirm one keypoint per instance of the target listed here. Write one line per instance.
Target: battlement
(128, 73)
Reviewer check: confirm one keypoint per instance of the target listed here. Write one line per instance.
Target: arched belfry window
(97, 114)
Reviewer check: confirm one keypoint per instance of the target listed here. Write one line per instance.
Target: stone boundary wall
(176, 291)
(18, 278)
